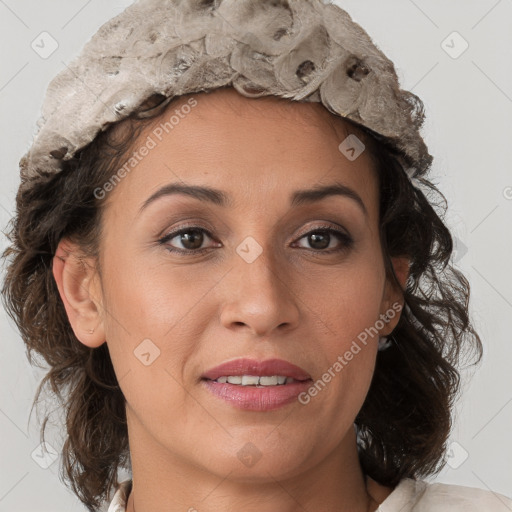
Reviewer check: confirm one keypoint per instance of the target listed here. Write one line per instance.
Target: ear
(393, 301)
(78, 284)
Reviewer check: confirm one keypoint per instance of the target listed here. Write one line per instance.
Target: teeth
(254, 380)
(250, 380)
(268, 381)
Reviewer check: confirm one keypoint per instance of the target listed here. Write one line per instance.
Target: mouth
(257, 385)
(244, 372)
(256, 380)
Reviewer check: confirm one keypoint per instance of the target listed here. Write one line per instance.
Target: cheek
(148, 300)
(152, 331)
(348, 306)
(155, 320)
(346, 301)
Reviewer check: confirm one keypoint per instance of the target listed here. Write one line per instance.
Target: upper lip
(268, 367)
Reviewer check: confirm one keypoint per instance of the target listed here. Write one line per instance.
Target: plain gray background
(468, 100)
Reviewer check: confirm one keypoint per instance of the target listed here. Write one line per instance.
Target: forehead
(227, 102)
(245, 146)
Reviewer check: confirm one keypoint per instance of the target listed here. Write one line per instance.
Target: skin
(292, 302)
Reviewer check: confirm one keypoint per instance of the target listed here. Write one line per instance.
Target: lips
(265, 368)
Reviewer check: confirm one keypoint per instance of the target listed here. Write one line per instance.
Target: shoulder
(457, 497)
(421, 496)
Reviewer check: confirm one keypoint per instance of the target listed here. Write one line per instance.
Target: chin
(263, 456)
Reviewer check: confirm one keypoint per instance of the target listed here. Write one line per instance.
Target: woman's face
(257, 275)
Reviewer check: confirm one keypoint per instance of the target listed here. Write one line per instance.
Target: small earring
(90, 331)
(384, 343)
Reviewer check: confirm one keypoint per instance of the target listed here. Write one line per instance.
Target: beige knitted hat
(303, 50)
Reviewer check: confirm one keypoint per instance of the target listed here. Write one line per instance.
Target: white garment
(409, 496)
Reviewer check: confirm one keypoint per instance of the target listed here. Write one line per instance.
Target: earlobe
(76, 280)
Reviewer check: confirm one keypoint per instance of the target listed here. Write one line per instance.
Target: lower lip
(252, 398)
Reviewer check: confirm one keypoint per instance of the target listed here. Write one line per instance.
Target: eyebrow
(220, 198)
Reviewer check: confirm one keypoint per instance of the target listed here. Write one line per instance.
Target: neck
(162, 481)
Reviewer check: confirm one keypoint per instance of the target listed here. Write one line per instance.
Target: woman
(224, 251)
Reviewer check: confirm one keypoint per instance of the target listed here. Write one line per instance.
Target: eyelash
(346, 240)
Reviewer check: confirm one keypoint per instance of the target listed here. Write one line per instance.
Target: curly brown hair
(405, 421)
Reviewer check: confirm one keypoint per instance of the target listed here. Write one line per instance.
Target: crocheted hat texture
(302, 50)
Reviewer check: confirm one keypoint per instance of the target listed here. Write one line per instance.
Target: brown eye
(320, 239)
(190, 238)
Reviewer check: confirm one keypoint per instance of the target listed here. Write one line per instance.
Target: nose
(259, 296)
